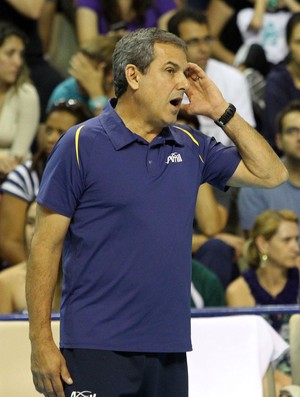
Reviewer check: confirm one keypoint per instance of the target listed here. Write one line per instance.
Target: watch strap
(226, 116)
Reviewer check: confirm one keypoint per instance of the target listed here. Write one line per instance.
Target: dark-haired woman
(21, 185)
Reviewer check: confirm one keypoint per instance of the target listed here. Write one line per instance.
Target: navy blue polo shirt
(127, 253)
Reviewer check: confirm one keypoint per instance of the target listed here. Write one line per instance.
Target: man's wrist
(226, 116)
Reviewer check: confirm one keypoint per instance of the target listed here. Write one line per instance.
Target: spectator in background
(283, 82)
(22, 184)
(19, 103)
(273, 277)
(25, 15)
(12, 280)
(232, 22)
(102, 16)
(192, 27)
(91, 79)
(252, 201)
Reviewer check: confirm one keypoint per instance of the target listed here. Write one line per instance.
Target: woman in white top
(19, 102)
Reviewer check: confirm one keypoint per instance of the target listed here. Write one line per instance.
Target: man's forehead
(170, 53)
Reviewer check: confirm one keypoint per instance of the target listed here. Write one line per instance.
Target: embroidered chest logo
(84, 393)
(174, 158)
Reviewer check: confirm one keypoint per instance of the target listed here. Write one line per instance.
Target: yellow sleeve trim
(77, 144)
(191, 136)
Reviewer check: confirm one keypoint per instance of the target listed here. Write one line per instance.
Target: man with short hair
(253, 201)
(192, 27)
(117, 201)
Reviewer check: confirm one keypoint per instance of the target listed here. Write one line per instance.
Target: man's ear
(133, 76)
(278, 140)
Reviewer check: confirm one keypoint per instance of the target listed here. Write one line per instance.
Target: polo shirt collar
(121, 136)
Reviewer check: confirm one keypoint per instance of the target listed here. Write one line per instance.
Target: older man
(118, 196)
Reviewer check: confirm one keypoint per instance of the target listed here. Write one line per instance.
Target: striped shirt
(22, 182)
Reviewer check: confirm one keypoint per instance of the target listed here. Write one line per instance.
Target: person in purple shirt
(117, 203)
(102, 16)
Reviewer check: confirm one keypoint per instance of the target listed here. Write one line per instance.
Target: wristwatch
(226, 116)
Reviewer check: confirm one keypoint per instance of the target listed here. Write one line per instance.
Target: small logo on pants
(84, 393)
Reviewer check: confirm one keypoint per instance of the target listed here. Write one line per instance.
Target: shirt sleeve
(21, 182)
(250, 205)
(162, 7)
(92, 4)
(28, 119)
(63, 179)
(220, 163)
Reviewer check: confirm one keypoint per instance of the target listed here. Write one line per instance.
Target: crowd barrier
(204, 312)
(233, 351)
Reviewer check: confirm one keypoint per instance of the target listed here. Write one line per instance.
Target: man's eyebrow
(170, 63)
(176, 66)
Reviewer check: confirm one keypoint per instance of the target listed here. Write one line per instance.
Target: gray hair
(137, 48)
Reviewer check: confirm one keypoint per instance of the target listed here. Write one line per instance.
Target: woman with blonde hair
(19, 101)
(272, 254)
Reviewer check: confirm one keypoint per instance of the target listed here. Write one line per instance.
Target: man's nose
(184, 83)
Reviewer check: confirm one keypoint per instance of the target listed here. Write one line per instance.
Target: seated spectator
(12, 280)
(25, 15)
(206, 288)
(95, 17)
(264, 24)
(21, 185)
(192, 27)
(252, 201)
(19, 103)
(282, 84)
(233, 23)
(91, 79)
(273, 277)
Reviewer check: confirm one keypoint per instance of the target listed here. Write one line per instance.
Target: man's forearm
(41, 280)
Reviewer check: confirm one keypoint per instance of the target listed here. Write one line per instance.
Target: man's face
(198, 41)
(289, 139)
(161, 88)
